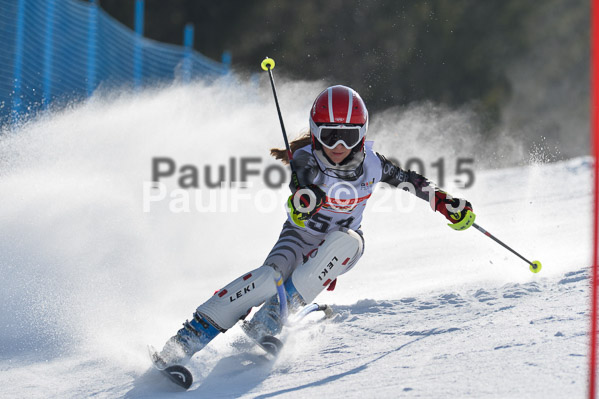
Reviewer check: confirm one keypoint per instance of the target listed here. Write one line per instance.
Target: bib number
(321, 223)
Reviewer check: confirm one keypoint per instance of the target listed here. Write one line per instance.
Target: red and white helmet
(339, 107)
(339, 116)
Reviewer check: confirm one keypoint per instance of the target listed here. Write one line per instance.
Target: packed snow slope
(95, 265)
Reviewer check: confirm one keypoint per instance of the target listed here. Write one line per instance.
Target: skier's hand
(305, 202)
(457, 211)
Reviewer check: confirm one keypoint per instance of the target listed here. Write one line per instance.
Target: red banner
(595, 146)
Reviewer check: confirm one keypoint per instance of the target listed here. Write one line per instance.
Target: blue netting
(59, 50)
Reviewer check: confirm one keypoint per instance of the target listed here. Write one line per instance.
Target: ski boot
(267, 320)
(194, 336)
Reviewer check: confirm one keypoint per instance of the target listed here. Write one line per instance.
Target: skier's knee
(358, 236)
(233, 301)
(338, 253)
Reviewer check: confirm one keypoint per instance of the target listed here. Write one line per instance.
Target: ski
(272, 345)
(176, 373)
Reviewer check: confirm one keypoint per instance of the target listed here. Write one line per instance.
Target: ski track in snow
(89, 279)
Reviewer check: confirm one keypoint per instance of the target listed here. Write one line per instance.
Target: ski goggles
(331, 136)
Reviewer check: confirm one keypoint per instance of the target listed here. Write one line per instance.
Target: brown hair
(301, 141)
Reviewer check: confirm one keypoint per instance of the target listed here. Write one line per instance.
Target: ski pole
(534, 266)
(328, 312)
(268, 64)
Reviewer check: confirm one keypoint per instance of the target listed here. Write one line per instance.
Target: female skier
(336, 172)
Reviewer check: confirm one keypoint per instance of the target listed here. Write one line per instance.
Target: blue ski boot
(267, 320)
(194, 336)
